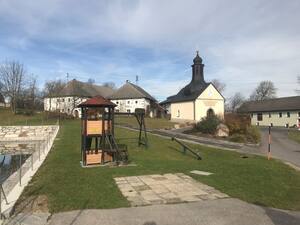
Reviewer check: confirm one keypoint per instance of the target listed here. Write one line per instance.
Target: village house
(196, 100)
(72, 95)
(130, 96)
(274, 112)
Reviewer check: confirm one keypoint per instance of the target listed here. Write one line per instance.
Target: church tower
(197, 69)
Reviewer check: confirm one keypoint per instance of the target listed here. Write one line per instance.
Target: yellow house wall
(209, 98)
(275, 119)
(186, 111)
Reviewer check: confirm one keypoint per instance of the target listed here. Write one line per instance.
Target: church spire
(198, 69)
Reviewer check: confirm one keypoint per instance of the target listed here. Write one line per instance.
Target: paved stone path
(163, 189)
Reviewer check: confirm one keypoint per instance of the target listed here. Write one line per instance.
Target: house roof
(189, 93)
(82, 89)
(97, 101)
(130, 91)
(275, 104)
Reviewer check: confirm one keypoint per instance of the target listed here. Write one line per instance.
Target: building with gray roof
(131, 96)
(74, 92)
(275, 112)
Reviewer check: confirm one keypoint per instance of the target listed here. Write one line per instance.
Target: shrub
(238, 138)
(208, 125)
(253, 134)
(237, 123)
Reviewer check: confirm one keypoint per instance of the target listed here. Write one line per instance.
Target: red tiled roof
(97, 101)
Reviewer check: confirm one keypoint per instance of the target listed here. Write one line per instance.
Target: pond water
(10, 164)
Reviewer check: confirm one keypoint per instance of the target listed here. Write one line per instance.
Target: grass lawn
(69, 187)
(151, 123)
(294, 135)
(8, 119)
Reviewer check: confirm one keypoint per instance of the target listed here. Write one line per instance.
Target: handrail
(185, 147)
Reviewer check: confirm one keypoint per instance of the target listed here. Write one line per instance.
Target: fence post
(269, 144)
(39, 152)
(20, 169)
(31, 160)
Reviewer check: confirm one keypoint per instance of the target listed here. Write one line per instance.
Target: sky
(241, 42)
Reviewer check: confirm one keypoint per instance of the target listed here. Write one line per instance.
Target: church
(196, 100)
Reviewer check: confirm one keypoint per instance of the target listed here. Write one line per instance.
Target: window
(280, 114)
(178, 113)
(68, 110)
(63, 100)
(69, 99)
(298, 114)
(259, 117)
(128, 110)
(288, 114)
(136, 102)
(251, 115)
(270, 115)
(128, 102)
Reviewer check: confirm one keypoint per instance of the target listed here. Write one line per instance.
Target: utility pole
(137, 79)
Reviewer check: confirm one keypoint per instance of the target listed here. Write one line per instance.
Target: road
(281, 146)
(218, 212)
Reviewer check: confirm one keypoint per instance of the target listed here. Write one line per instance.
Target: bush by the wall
(208, 125)
(253, 134)
(241, 138)
(237, 123)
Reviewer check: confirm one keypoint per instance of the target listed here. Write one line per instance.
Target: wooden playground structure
(98, 144)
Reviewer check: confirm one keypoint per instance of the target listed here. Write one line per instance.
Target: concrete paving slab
(165, 189)
(203, 173)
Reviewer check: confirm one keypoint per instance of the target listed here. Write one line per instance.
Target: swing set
(98, 143)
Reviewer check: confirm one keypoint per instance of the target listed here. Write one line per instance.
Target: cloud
(241, 42)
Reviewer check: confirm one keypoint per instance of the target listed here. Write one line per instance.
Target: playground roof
(97, 101)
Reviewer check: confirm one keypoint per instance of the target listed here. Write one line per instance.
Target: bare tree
(110, 84)
(265, 90)
(219, 85)
(12, 75)
(235, 102)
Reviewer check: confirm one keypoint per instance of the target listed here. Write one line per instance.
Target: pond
(10, 163)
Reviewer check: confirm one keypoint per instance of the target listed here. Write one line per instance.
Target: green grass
(294, 135)
(8, 119)
(68, 186)
(151, 123)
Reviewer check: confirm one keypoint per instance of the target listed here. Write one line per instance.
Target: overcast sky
(241, 42)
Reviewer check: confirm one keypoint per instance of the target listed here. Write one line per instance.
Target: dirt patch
(32, 204)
